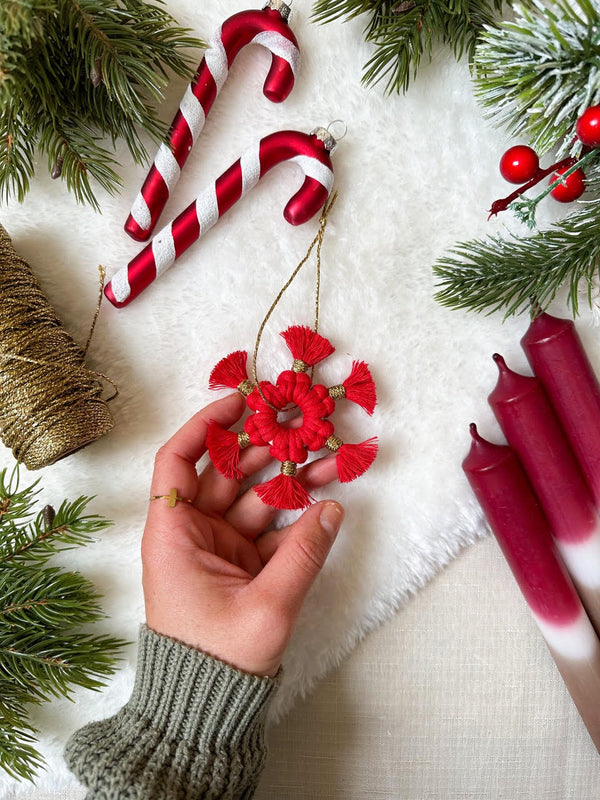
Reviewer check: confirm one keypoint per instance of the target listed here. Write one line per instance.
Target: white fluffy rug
(415, 173)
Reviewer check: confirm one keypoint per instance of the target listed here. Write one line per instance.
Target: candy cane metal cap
(279, 5)
(324, 136)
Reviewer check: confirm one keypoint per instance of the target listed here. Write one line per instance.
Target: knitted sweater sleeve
(193, 728)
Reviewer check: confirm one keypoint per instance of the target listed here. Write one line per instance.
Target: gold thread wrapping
(288, 468)
(334, 443)
(246, 387)
(243, 439)
(50, 403)
(299, 365)
(337, 392)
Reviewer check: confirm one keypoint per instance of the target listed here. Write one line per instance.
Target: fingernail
(331, 518)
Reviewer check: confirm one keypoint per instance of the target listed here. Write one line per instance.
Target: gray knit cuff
(193, 724)
(177, 686)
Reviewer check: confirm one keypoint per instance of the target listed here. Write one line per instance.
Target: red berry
(571, 188)
(519, 164)
(588, 126)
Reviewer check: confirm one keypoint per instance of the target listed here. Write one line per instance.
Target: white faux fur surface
(415, 173)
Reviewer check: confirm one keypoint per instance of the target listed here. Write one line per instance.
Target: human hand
(212, 577)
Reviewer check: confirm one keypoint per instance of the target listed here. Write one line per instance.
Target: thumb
(304, 547)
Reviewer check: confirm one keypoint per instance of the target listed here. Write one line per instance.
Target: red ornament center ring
(290, 443)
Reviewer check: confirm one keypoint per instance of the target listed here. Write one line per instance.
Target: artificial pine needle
(405, 31)
(535, 74)
(43, 652)
(73, 101)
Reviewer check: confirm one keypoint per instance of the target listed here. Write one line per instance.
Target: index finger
(175, 462)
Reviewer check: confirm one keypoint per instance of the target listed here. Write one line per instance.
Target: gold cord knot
(243, 439)
(288, 468)
(299, 365)
(337, 392)
(246, 387)
(334, 443)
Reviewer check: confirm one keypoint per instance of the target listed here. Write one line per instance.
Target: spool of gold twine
(50, 403)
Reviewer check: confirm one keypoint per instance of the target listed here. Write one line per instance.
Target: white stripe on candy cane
(207, 208)
(163, 250)
(576, 641)
(216, 60)
(120, 286)
(140, 212)
(250, 166)
(167, 165)
(313, 168)
(280, 46)
(192, 112)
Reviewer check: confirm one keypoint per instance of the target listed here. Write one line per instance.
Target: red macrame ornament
(293, 388)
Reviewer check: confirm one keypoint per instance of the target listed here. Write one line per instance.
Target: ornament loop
(338, 129)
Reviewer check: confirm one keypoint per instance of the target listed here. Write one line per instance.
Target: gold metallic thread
(299, 365)
(334, 443)
(246, 387)
(50, 403)
(337, 392)
(318, 240)
(243, 439)
(288, 468)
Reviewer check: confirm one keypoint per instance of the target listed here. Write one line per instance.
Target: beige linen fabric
(457, 698)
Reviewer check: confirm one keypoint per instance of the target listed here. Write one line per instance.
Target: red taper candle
(556, 355)
(533, 430)
(523, 533)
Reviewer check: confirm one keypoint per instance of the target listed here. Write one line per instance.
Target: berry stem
(575, 165)
(504, 203)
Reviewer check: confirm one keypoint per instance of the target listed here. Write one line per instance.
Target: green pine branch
(44, 652)
(76, 76)
(19, 17)
(18, 755)
(35, 599)
(37, 541)
(42, 666)
(535, 75)
(509, 274)
(406, 31)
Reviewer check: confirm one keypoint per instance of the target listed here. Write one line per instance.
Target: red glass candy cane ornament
(267, 27)
(311, 152)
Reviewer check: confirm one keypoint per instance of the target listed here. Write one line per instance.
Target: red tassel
(306, 345)
(354, 459)
(224, 450)
(360, 387)
(284, 491)
(230, 371)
